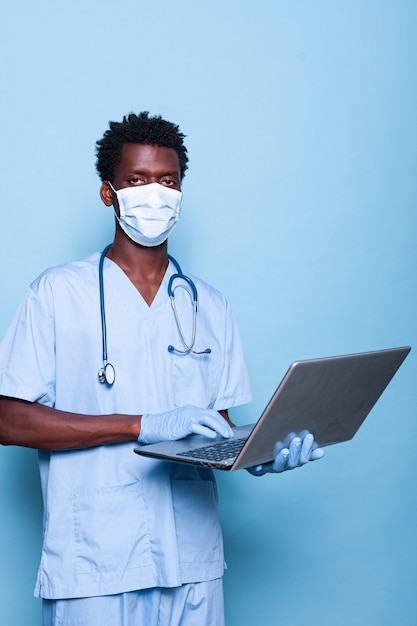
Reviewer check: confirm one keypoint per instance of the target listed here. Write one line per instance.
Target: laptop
(330, 397)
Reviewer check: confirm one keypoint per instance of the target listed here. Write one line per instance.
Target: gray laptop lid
(330, 397)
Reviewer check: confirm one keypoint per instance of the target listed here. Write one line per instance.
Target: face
(142, 164)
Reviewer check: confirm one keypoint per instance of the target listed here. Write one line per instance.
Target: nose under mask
(148, 213)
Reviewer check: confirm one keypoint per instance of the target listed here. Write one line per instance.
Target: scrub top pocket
(194, 379)
(197, 524)
(110, 529)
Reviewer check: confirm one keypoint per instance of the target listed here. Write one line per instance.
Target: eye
(167, 181)
(137, 180)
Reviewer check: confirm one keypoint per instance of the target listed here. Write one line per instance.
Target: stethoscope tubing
(106, 373)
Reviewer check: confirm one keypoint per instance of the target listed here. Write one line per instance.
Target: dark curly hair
(138, 129)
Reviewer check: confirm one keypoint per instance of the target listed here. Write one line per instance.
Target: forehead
(137, 157)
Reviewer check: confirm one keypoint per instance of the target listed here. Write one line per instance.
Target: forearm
(36, 426)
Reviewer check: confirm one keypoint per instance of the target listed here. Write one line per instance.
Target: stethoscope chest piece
(107, 374)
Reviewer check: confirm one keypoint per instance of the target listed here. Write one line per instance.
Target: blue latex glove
(179, 423)
(295, 451)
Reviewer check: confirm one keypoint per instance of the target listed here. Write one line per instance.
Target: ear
(106, 193)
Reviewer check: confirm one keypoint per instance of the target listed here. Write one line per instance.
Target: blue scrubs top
(114, 521)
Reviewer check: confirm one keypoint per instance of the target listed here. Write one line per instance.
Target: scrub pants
(195, 604)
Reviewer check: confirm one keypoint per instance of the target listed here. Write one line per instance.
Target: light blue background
(300, 204)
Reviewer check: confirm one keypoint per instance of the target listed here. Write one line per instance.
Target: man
(97, 359)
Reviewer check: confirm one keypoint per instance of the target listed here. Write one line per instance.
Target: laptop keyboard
(216, 451)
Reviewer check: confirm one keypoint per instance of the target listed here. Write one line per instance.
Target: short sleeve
(27, 352)
(235, 387)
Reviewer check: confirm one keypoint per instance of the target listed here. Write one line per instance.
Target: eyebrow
(145, 172)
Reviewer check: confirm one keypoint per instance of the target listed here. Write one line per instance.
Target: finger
(279, 445)
(306, 449)
(217, 423)
(257, 470)
(281, 460)
(288, 439)
(316, 454)
(295, 450)
(199, 429)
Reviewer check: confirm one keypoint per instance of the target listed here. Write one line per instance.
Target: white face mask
(148, 213)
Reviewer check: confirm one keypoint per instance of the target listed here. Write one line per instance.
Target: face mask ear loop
(115, 199)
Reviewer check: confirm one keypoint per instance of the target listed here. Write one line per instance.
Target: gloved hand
(295, 451)
(181, 422)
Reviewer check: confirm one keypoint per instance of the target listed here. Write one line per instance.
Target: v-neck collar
(125, 285)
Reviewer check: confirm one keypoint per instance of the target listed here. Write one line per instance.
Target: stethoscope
(106, 373)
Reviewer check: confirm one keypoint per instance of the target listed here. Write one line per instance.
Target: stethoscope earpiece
(106, 373)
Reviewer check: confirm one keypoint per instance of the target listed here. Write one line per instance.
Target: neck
(145, 267)
(138, 260)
